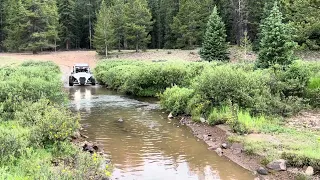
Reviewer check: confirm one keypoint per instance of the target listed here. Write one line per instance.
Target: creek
(146, 145)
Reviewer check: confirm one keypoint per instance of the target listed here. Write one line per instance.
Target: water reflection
(147, 145)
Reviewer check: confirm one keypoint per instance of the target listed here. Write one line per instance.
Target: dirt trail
(63, 59)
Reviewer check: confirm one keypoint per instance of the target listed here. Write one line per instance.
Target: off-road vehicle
(81, 75)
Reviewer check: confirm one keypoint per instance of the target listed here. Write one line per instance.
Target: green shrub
(197, 107)
(13, 141)
(141, 78)
(291, 81)
(43, 64)
(224, 83)
(314, 83)
(48, 123)
(29, 82)
(220, 115)
(175, 99)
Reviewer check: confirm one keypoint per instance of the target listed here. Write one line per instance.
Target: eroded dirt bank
(216, 137)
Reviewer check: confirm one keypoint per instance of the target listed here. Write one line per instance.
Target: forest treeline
(35, 25)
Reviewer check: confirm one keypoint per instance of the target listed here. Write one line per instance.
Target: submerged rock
(76, 135)
(278, 165)
(309, 171)
(219, 151)
(170, 116)
(262, 171)
(84, 136)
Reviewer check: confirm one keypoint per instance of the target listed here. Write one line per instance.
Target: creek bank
(80, 141)
(216, 137)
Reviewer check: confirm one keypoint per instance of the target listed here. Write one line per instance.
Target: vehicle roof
(81, 64)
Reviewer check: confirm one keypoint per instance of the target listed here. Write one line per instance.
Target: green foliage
(36, 164)
(138, 23)
(143, 78)
(13, 141)
(214, 45)
(186, 24)
(175, 99)
(48, 123)
(240, 87)
(291, 81)
(34, 31)
(104, 34)
(36, 126)
(29, 82)
(118, 21)
(303, 15)
(220, 116)
(67, 22)
(276, 44)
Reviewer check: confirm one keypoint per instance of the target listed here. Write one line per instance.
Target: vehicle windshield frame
(85, 69)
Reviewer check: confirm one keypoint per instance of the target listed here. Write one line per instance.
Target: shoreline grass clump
(35, 127)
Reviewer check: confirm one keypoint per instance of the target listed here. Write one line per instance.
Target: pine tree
(168, 10)
(138, 23)
(186, 24)
(103, 37)
(118, 22)
(15, 24)
(2, 22)
(67, 22)
(304, 16)
(214, 45)
(37, 27)
(276, 45)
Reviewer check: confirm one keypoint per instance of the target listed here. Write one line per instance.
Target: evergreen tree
(186, 24)
(2, 22)
(67, 22)
(304, 16)
(138, 23)
(276, 45)
(118, 22)
(168, 10)
(103, 37)
(214, 45)
(16, 22)
(37, 25)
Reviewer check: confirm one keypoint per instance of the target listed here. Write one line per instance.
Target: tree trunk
(125, 44)
(106, 51)
(137, 47)
(119, 44)
(67, 44)
(34, 52)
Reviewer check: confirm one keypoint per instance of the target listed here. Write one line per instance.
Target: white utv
(81, 75)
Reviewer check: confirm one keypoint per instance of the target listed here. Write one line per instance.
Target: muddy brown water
(146, 145)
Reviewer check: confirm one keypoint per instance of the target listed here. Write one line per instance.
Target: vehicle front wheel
(70, 81)
(93, 81)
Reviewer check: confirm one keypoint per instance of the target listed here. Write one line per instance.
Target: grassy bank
(35, 127)
(249, 100)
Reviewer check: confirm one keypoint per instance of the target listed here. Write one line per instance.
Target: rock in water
(120, 120)
(76, 135)
(278, 165)
(219, 151)
(309, 171)
(224, 145)
(170, 116)
(262, 171)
